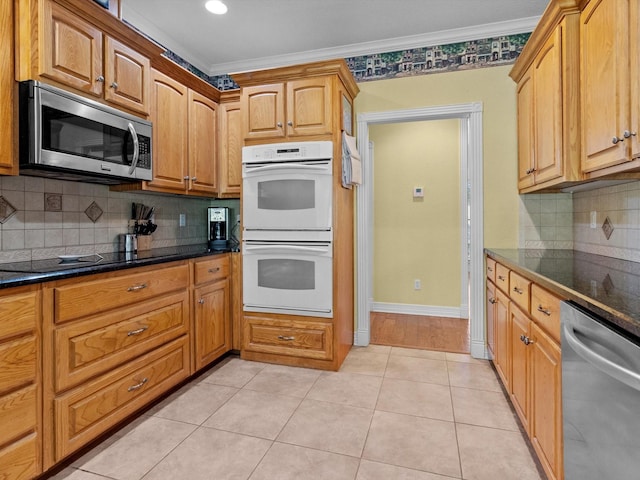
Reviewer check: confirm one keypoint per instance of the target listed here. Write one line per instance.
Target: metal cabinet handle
(288, 339)
(201, 301)
(544, 310)
(100, 79)
(490, 269)
(519, 291)
(616, 140)
(135, 387)
(279, 124)
(628, 134)
(193, 179)
(114, 85)
(501, 277)
(137, 287)
(214, 270)
(290, 123)
(528, 341)
(522, 337)
(137, 332)
(492, 301)
(186, 178)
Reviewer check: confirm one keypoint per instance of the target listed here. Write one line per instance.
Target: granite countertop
(606, 286)
(37, 271)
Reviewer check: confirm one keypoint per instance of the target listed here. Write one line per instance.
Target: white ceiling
(257, 34)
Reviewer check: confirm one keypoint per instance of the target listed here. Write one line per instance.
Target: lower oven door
(288, 277)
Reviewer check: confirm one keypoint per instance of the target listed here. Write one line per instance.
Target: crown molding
(478, 32)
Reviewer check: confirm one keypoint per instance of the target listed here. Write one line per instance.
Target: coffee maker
(218, 223)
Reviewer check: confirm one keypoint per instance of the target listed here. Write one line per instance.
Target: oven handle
(277, 248)
(288, 166)
(606, 365)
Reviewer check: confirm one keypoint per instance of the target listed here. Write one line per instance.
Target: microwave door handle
(274, 248)
(136, 148)
(279, 166)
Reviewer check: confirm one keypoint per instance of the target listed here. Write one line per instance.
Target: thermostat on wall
(418, 192)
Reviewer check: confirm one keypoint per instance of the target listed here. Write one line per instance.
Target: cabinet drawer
(86, 412)
(210, 270)
(18, 313)
(17, 363)
(502, 278)
(295, 337)
(491, 269)
(545, 309)
(519, 290)
(92, 347)
(83, 298)
(19, 460)
(18, 414)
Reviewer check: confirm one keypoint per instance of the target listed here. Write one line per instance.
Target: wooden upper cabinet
(548, 103)
(79, 45)
(203, 118)
(170, 146)
(263, 111)
(634, 15)
(8, 133)
(309, 106)
(71, 50)
(605, 83)
(290, 109)
(230, 149)
(127, 76)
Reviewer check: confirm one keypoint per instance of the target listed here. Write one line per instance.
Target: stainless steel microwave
(69, 137)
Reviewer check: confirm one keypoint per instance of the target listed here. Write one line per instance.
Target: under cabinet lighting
(216, 6)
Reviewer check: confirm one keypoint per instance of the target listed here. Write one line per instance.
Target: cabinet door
(635, 79)
(230, 158)
(309, 106)
(169, 116)
(8, 137)
(547, 101)
(491, 317)
(213, 326)
(519, 364)
(71, 50)
(202, 144)
(604, 71)
(263, 111)
(501, 359)
(526, 154)
(127, 77)
(546, 402)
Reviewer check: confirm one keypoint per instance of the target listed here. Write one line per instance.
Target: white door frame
(470, 116)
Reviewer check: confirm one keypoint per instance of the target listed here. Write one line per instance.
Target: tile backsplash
(564, 221)
(52, 217)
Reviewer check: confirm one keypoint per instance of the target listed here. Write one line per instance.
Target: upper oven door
(294, 195)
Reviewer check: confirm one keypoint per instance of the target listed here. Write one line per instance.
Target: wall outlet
(594, 220)
(417, 284)
(182, 220)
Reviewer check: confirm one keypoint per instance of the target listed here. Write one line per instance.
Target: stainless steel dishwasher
(600, 398)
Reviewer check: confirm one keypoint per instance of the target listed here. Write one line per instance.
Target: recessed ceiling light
(216, 6)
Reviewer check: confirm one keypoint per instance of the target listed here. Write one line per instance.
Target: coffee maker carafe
(218, 222)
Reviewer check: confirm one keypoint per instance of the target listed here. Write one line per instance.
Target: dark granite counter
(37, 271)
(605, 286)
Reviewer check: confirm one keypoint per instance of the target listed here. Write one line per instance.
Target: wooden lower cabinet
(212, 326)
(20, 385)
(303, 339)
(491, 318)
(527, 358)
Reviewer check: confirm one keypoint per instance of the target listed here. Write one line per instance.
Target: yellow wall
(491, 86)
(424, 234)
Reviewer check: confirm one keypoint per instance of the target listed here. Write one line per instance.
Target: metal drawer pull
(500, 277)
(135, 387)
(490, 269)
(137, 287)
(214, 270)
(519, 291)
(527, 341)
(288, 339)
(492, 301)
(137, 332)
(543, 310)
(522, 337)
(201, 301)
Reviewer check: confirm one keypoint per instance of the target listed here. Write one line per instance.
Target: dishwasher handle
(606, 365)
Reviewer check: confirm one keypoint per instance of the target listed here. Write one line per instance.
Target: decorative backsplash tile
(607, 228)
(6, 210)
(94, 212)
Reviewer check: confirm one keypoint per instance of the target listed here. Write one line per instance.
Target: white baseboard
(427, 310)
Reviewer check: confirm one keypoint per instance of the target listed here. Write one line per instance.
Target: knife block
(144, 242)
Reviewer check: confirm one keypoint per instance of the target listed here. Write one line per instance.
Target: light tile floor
(390, 413)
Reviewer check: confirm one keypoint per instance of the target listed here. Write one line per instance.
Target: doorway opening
(470, 138)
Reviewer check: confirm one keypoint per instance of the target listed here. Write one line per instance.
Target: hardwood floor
(417, 331)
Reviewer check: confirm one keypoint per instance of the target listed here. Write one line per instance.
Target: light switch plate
(418, 192)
